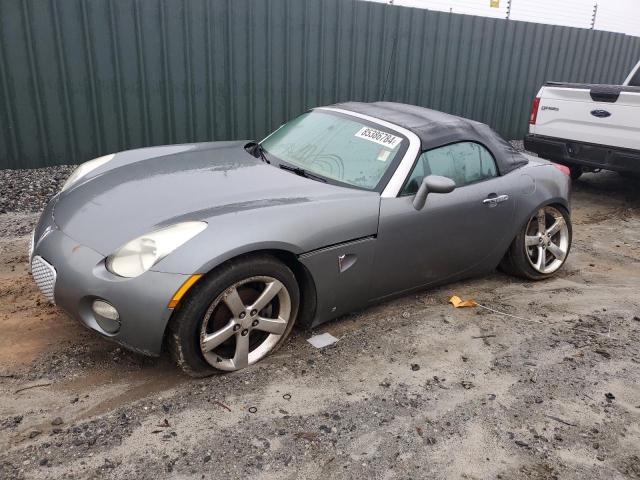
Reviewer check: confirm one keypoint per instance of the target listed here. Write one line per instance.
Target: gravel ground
(518, 145)
(30, 190)
(413, 389)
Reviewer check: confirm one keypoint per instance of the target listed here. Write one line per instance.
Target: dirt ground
(413, 389)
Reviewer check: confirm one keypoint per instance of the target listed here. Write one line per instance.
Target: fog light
(106, 316)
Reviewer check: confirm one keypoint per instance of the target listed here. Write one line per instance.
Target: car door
(454, 233)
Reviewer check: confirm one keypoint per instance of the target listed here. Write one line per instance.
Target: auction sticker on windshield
(379, 137)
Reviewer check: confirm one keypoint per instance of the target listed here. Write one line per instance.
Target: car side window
(463, 162)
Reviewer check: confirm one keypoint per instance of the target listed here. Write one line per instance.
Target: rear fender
(550, 187)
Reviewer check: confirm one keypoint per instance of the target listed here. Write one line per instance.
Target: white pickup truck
(588, 127)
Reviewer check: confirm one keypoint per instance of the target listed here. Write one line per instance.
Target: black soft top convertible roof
(435, 129)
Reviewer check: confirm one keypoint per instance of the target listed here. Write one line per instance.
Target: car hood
(141, 190)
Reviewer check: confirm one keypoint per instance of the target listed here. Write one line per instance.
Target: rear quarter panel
(549, 186)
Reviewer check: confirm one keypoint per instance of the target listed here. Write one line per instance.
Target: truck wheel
(234, 316)
(542, 246)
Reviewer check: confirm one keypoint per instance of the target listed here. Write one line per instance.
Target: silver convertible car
(215, 250)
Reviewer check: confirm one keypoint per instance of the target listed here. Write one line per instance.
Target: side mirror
(251, 148)
(432, 184)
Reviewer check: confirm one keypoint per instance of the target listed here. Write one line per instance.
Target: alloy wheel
(245, 322)
(547, 240)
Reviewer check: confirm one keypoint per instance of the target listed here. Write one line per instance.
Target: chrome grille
(45, 276)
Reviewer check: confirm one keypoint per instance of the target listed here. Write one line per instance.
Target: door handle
(493, 201)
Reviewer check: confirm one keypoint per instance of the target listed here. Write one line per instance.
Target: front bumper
(571, 152)
(81, 277)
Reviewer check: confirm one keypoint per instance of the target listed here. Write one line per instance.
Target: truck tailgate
(607, 115)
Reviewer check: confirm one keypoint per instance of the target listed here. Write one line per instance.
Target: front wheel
(542, 246)
(234, 316)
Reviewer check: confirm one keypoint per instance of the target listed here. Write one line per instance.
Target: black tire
(515, 261)
(183, 332)
(575, 172)
(506, 266)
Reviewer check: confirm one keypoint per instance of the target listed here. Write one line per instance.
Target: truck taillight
(534, 111)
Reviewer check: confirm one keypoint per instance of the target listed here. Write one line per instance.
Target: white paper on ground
(320, 341)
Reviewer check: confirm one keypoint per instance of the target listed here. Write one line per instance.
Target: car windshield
(337, 147)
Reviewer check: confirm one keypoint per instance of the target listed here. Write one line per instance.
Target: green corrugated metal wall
(81, 78)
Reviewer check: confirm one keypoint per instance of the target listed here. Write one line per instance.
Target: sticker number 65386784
(379, 137)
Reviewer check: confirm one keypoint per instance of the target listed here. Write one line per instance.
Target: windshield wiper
(255, 149)
(302, 172)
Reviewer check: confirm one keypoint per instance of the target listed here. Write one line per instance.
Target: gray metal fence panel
(81, 78)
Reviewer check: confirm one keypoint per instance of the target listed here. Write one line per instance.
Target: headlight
(85, 168)
(139, 255)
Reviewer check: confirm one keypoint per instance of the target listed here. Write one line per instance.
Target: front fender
(207, 264)
(296, 228)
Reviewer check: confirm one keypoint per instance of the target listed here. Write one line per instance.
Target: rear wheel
(235, 316)
(542, 246)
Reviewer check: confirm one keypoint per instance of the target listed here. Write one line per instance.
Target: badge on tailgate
(600, 113)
